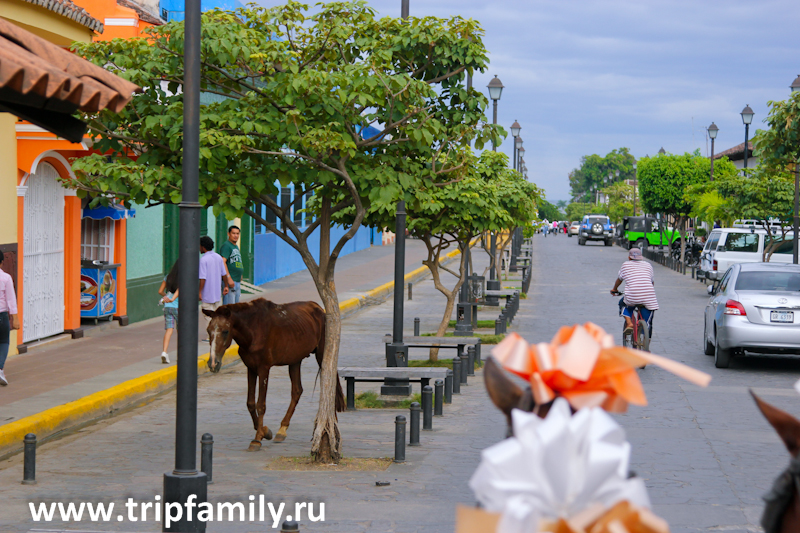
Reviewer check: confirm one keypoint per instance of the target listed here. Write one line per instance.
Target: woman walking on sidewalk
(169, 291)
(9, 319)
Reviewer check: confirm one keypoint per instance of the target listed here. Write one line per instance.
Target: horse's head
(782, 509)
(220, 335)
(507, 395)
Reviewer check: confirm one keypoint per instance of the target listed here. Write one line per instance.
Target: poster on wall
(98, 292)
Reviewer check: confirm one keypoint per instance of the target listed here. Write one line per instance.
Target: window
(267, 214)
(97, 240)
(309, 216)
(742, 242)
(759, 280)
(298, 215)
(637, 225)
(286, 201)
(711, 245)
(785, 245)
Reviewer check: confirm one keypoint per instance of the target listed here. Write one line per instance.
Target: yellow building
(40, 221)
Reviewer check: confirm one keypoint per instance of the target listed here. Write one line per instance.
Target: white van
(727, 246)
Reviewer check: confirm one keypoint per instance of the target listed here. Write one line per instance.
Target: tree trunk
(326, 443)
(432, 262)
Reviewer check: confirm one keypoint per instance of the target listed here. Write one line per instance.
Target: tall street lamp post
(185, 483)
(515, 129)
(520, 153)
(396, 352)
(795, 87)
(635, 176)
(495, 90)
(747, 118)
(712, 134)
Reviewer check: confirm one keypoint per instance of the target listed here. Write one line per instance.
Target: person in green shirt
(233, 260)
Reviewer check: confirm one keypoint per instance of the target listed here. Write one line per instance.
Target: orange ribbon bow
(583, 365)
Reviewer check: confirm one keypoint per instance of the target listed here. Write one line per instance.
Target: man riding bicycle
(639, 290)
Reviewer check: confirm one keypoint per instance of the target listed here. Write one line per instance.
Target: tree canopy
(595, 170)
(779, 147)
(295, 92)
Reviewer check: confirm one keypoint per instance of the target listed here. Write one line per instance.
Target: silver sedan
(755, 308)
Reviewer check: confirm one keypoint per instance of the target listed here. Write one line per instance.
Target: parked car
(574, 228)
(727, 246)
(595, 228)
(755, 308)
(643, 232)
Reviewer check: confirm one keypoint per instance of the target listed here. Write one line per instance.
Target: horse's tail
(340, 402)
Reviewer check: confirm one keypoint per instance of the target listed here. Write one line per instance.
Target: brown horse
(782, 510)
(269, 334)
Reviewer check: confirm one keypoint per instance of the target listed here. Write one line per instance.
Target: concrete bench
(421, 375)
(507, 293)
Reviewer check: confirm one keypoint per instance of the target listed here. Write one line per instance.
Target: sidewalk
(68, 370)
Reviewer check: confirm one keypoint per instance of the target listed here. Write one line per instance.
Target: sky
(584, 77)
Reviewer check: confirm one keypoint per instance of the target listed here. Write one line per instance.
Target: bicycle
(639, 338)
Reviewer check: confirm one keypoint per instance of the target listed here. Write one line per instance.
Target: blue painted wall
(175, 8)
(274, 259)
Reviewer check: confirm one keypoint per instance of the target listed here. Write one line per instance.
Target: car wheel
(608, 242)
(722, 358)
(709, 347)
(641, 244)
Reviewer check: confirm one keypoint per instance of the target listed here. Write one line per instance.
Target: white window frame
(97, 239)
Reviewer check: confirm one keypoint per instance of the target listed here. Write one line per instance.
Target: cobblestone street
(707, 455)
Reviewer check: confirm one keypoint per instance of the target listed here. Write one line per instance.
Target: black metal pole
(404, 9)
(494, 121)
(493, 259)
(796, 211)
(514, 151)
(746, 135)
(712, 158)
(399, 439)
(185, 481)
(29, 460)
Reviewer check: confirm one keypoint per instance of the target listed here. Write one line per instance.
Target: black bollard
(498, 327)
(399, 439)
(471, 361)
(409, 291)
(290, 526)
(464, 365)
(448, 387)
(206, 455)
(438, 397)
(456, 375)
(414, 431)
(416, 327)
(427, 407)
(478, 358)
(29, 461)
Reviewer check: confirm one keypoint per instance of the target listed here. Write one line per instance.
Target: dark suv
(595, 228)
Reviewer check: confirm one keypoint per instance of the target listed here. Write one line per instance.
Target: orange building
(51, 235)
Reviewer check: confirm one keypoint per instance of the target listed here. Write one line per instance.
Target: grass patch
(346, 464)
(481, 323)
(484, 337)
(523, 296)
(371, 400)
(441, 363)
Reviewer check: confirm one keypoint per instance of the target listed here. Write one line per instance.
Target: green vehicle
(639, 231)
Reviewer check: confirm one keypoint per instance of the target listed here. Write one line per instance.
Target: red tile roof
(73, 12)
(737, 152)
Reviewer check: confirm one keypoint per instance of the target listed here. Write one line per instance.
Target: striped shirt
(638, 278)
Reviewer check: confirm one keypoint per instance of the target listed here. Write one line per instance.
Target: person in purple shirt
(214, 277)
(9, 319)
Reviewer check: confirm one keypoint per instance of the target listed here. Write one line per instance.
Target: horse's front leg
(262, 431)
(255, 445)
(297, 391)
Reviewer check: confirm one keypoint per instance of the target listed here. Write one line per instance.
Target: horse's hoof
(268, 434)
(254, 446)
(280, 437)
(218, 367)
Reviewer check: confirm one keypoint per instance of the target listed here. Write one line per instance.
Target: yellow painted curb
(105, 402)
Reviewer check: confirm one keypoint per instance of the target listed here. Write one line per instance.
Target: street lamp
(795, 86)
(712, 134)
(635, 175)
(747, 118)
(520, 150)
(662, 151)
(495, 90)
(515, 129)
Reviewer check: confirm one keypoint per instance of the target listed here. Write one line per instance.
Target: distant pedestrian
(233, 260)
(213, 277)
(555, 228)
(169, 293)
(9, 319)
(545, 227)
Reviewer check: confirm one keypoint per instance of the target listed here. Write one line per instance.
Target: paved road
(706, 454)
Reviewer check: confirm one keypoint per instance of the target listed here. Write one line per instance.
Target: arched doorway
(43, 253)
